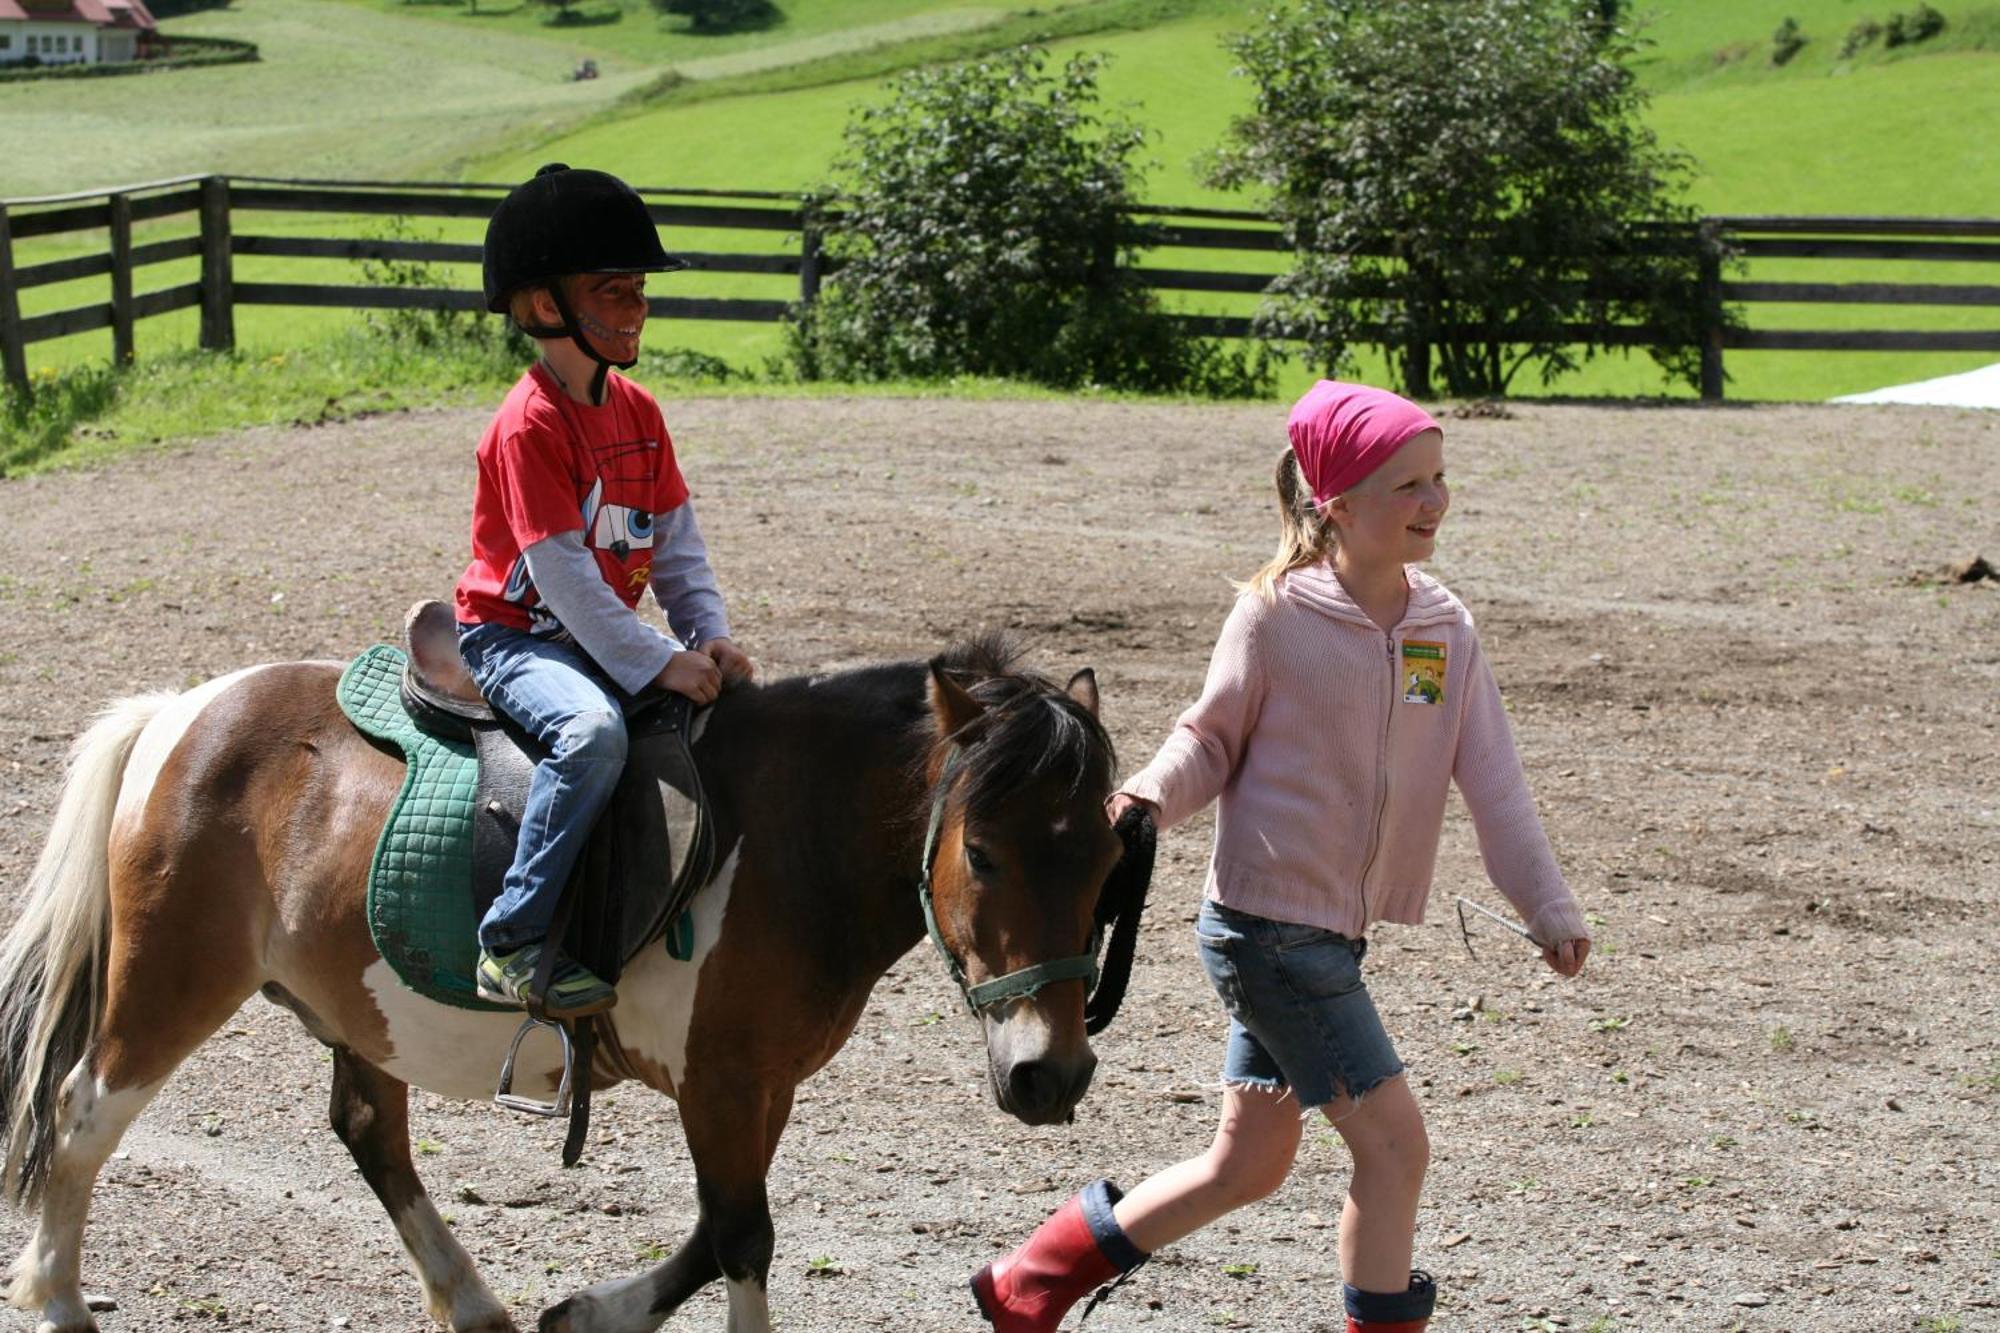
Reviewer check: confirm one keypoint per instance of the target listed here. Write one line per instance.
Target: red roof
(131, 14)
(98, 13)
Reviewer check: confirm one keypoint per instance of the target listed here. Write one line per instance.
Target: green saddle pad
(420, 883)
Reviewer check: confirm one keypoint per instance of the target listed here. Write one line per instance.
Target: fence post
(1416, 368)
(121, 279)
(809, 257)
(1710, 263)
(13, 352)
(218, 314)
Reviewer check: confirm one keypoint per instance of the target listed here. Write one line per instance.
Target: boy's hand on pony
(693, 674)
(734, 664)
(1566, 956)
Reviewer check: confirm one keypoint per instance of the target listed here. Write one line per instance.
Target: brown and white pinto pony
(212, 844)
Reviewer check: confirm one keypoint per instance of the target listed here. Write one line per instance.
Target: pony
(216, 843)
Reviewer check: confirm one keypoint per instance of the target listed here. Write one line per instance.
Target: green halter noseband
(1015, 985)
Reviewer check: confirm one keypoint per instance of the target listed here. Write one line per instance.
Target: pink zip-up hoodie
(1331, 745)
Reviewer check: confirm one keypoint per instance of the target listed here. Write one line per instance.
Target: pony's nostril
(1033, 1085)
(1048, 1088)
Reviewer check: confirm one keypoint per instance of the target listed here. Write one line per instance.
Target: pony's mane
(993, 653)
(1031, 728)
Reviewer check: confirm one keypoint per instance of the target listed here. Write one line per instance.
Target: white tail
(52, 963)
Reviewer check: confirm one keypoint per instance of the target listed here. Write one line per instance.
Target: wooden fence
(221, 205)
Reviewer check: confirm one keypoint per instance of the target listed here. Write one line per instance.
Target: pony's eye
(977, 858)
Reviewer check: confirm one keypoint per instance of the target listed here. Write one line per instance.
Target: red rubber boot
(1392, 1311)
(1078, 1249)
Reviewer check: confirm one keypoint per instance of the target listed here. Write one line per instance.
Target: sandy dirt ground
(1760, 720)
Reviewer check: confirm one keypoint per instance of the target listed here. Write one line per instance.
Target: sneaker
(574, 990)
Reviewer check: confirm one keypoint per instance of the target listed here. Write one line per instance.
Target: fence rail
(219, 203)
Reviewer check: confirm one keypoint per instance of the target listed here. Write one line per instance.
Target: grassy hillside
(633, 33)
(381, 89)
(1899, 132)
(340, 91)
(1902, 132)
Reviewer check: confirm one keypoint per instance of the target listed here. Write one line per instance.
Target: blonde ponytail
(1305, 535)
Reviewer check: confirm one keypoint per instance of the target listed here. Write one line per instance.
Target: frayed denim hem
(1264, 1087)
(1272, 1087)
(1355, 1098)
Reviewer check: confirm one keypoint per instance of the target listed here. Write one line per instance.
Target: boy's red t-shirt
(548, 465)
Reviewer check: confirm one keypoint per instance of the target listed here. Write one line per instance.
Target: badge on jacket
(1423, 672)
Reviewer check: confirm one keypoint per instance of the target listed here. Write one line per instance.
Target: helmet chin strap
(573, 326)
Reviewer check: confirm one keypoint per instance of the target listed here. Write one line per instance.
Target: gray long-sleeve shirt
(629, 650)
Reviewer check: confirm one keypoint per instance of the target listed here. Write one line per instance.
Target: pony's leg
(160, 1005)
(732, 1237)
(90, 1118)
(639, 1304)
(731, 1159)
(371, 1114)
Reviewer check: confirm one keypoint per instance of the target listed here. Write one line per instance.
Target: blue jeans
(1299, 1015)
(555, 693)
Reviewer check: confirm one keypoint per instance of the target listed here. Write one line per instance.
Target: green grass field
(338, 94)
(1883, 135)
(631, 33)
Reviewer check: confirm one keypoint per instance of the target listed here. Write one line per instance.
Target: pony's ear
(1082, 687)
(955, 709)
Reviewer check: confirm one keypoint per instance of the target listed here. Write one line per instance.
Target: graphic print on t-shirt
(548, 466)
(617, 527)
(617, 514)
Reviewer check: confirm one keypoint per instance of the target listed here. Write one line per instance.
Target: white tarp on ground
(1975, 388)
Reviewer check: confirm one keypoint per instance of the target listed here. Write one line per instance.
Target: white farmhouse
(69, 32)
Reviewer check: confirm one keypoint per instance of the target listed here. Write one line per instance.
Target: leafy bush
(1920, 24)
(719, 16)
(1464, 180)
(182, 53)
(981, 229)
(421, 329)
(1604, 13)
(1859, 37)
(1786, 42)
(685, 363)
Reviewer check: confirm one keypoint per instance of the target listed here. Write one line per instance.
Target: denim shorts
(1299, 1015)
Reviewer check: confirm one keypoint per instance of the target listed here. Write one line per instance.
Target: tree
(1464, 179)
(979, 227)
(716, 16)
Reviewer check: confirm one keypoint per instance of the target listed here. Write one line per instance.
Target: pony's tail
(52, 962)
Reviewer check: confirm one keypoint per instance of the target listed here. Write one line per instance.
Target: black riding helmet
(566, 220)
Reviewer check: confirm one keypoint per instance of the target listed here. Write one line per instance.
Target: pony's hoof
(83, 1324)
(499, 1323)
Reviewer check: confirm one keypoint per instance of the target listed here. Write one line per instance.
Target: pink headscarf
(1342, 432)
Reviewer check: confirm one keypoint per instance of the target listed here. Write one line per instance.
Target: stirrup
(505, 1095)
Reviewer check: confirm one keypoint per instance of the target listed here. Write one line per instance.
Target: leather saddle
(652, 848)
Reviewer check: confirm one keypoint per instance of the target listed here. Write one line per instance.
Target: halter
(1015, 985)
